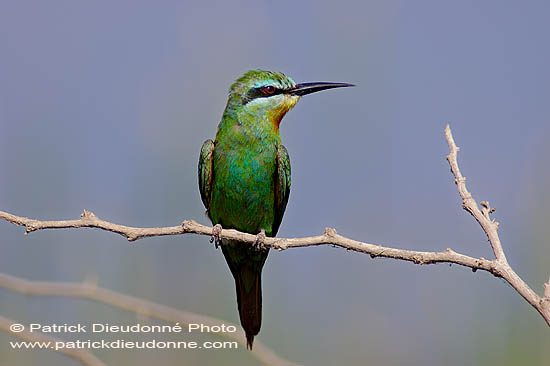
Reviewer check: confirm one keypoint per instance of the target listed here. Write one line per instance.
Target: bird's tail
(249, 302)
(248, 283)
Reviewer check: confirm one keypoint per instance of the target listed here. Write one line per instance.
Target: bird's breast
(243, 191)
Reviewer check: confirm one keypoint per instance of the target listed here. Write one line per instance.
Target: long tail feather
(249, 302)
(246, 266)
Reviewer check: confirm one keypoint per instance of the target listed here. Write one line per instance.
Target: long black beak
(308, 88)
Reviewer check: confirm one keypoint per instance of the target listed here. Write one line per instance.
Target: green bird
(244, 177)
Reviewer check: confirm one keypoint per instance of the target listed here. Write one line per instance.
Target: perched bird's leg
(260, 239)
(216, 235)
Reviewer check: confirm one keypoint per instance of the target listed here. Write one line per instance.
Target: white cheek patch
(268, 102)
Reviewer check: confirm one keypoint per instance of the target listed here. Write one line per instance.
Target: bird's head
(270, 95)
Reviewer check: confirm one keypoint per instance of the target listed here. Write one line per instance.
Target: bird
(244, 178)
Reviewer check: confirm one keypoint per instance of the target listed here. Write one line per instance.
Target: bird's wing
(282, 186)
(206, 172)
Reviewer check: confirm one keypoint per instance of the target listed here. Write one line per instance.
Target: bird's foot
(216, 235)
(260, 240)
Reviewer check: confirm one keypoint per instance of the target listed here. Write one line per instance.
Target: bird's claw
(260, 240)
(216, 235)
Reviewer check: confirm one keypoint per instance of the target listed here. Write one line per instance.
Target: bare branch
(83, 355)
(499, 267)
(469, 204)
(502, 268)
(88, 219)
(91, 291)
(329, 237)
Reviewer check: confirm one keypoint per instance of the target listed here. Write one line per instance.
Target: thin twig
(490, 227)
(83, 355)
(469, 204)
(90, 290)
(499, 267)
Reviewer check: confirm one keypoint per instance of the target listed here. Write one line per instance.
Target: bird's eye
(268, 90)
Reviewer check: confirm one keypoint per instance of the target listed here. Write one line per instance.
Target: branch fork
(499, 266)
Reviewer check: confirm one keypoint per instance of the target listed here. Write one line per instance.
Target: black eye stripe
(261, 93)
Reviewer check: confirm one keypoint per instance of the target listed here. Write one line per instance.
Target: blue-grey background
(104, 106)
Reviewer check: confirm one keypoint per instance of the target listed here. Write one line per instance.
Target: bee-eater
(244, 177)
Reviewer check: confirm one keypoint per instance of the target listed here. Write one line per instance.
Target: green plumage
(244, 180)
(244, 176)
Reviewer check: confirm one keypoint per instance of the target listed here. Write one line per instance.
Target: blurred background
(104, 106)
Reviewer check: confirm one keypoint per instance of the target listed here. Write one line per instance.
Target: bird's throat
(275, 115)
